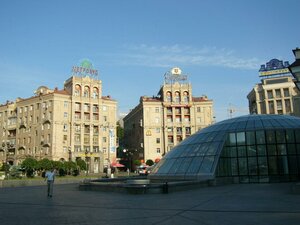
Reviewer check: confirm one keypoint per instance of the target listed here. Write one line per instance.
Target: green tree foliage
(149, 162)
(81, 164)
(29, 165)
(45, 164)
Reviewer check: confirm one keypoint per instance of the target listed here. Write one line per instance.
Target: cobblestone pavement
(231, 204)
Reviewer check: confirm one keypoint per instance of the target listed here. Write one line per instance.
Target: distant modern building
(76, 122)
(161, 122)
(295, 70)
(246, 149)
(276, 92)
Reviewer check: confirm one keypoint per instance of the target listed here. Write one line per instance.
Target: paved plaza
(231, 204)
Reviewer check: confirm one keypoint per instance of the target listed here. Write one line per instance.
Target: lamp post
(129, 156)
(70, 154)
(86, 162)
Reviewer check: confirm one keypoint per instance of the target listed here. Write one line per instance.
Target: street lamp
(86, 161)
(70, 154)
(129, 157)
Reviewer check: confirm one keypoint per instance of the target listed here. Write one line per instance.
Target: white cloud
(169, 56)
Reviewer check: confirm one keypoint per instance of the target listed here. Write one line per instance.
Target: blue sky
(220, 45)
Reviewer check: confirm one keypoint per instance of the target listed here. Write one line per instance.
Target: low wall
(37, 182)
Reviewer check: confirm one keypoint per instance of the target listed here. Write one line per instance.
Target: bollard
(165, 188)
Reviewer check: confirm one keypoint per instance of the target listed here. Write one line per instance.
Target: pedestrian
(50, 176)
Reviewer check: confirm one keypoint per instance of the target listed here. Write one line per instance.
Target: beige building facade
(157, 124)
(76, 122)
(276, 93)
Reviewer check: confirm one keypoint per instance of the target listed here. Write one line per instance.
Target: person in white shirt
(50, 176)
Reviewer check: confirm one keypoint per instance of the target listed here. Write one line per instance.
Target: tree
(29, 165)
(149, 162)
(45, 164)
(81, 164)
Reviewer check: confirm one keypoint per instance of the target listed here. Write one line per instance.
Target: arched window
(177, 96)
(185, 96)
(86, 92)
(168, 96)
(77, 90)
(95, 92)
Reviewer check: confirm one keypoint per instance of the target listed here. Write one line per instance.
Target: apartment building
(158, 123)
(75, 122)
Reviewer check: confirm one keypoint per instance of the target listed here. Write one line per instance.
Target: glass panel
(270, 136)
(297, 136)
(166, 166)
(184, 165)
(262, 166)
(241, 140)
(260, 137)
(298, 149)
(251, 150)
(250, 138)
(242, 151)
(290, 136)
(261, 150)
(280, 136)
(243, 168)
(231, 140)
(272, 150)
(293, 165)
(207, 164)
(175, 166)
(234, 166)
(283, 165)
(213, 148)
(291, 149)
(195, 165)
(252, 165)
(281, 149)
(229, 152)
(272, 165)
(202, 150)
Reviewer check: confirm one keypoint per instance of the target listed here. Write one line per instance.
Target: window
(104, 108)
(157, 130)
(66, 104)
(65, 115)
(157, 109)
(286, 92)
(168, 97)
(65, 127)
(278, 93)
(104, 139)
(198, 119)
(77, 128)
(156, 119)
(271, 107)
(77, 138)
(158, 150)
(177, 97)
(157, 140)
(270, 94)
(199, 109)
(65, 137)
(287, 105)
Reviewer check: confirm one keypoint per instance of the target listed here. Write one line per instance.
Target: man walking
(49, 176)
